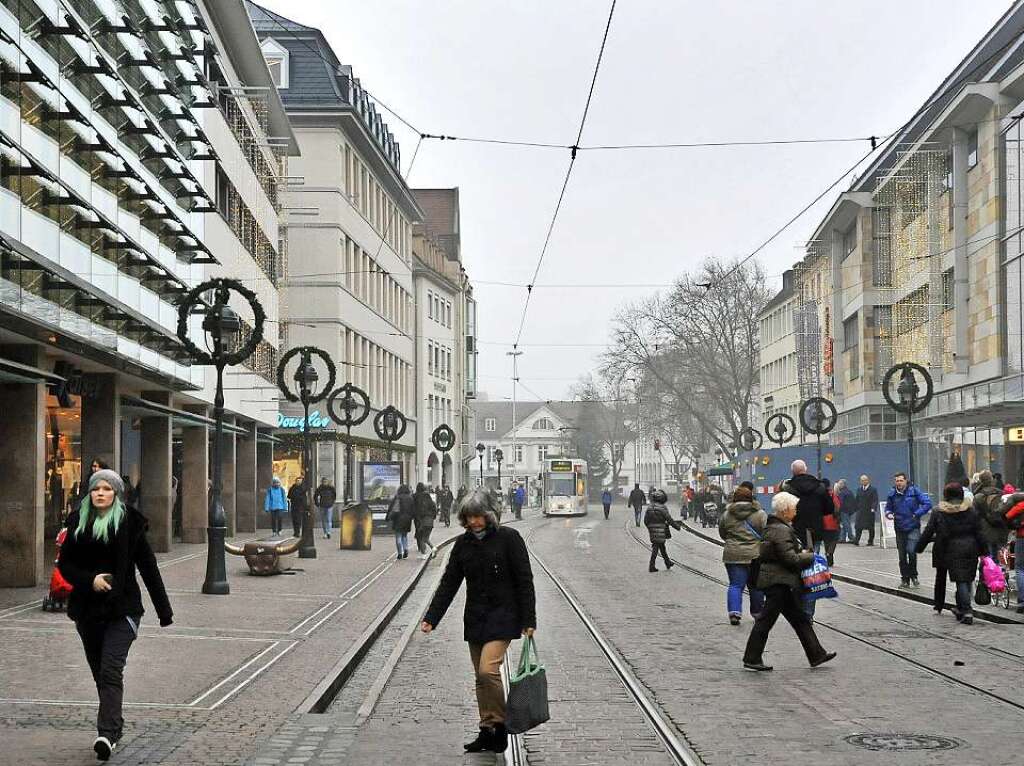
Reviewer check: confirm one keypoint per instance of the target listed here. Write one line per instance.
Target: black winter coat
(956, 530)
(988, 505)
(658, 520)
(324, 497)
(637, 498)
(82, 558)
(297, 497)
(424, 509)
(782, 555)
(814, 502)
(401, 512)
(500, 599)
(867, 506)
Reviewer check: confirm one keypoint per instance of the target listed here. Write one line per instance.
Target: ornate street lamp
(910, 399)
(499, 456)
(305, 391)
(443, 440)
(480, 449)
(818, 416)
(222, 326)
(390, 424)
(355, 408)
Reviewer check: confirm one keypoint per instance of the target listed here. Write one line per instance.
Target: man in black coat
(814, 502)
(637, 501)
(297, 503)
(501, 605)
(324, 498)
(866, 504)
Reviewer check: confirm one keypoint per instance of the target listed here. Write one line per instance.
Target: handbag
(817, 580)
(982, 595)
(527, 705)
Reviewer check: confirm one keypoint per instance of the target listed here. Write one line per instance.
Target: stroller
(60, 589)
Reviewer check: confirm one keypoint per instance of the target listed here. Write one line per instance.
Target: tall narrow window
(972, 149)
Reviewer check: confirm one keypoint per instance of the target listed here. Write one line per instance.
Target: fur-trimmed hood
(947, 507)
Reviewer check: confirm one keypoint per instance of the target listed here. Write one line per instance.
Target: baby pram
(60, 589)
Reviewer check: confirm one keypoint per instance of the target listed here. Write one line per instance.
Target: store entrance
(63, 461)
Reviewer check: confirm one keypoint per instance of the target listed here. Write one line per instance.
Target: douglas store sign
(316, 420)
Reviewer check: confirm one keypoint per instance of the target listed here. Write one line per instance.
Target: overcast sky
(673, 72)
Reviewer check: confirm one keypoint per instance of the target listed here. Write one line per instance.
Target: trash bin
(356, 527)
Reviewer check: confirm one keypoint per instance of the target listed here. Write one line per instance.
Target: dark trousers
(906, 549)
(781, 599)
(297, 515)
(106, 647)
(517, 510)
(636, 514)
(655, 548)
(423, 539)
(607, 508)
(870, 530)
(275, 521)
(939, 601)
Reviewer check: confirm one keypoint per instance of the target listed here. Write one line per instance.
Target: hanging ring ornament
(443, 438)
(282, 384)
(355, 404)
(222, 293)
(818, 416)
(751, 439)
(911, 370)
(780, 428)
(390, 424)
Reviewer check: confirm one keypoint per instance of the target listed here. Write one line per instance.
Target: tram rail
(861, 639)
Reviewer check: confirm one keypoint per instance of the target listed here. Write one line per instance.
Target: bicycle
(1007, 562)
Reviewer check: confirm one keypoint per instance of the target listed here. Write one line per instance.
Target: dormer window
(544, 424)
(276, 56)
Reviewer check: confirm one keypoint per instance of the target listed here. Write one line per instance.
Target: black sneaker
(828, 657)
(759, 666)
(484, 740)
(499, 739)
(103, 747)
(652, 569)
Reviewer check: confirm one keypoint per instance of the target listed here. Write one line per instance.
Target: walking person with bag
(106, 543)
(400, 515)
(742, 529)
(658, 520)
(501, 605)
(988, 501)
(782, 557)
(424, 512)
(958, 544)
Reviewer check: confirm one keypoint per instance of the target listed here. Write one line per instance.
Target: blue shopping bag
(817, 580)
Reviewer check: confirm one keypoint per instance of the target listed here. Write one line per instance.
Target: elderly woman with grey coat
(782, 556)
(742, 529)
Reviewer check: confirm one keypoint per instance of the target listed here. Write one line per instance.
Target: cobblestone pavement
(671, 627)
(211, 688)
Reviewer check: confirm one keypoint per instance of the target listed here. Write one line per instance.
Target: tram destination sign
(561, 466)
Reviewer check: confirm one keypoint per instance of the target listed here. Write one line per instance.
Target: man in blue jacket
(906, 505)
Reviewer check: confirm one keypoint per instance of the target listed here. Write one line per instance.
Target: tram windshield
(561, 485)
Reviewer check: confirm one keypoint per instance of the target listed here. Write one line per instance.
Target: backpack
(1011, 502)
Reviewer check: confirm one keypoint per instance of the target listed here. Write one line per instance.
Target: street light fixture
(223, 326)
(480, 449)
(305, 391)
(499, 456)
(910, 399)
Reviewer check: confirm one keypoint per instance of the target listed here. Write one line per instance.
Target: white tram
(564, 487)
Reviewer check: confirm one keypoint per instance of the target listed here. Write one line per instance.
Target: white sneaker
(103, 747)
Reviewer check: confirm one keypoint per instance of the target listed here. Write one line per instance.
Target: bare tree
(604, 419)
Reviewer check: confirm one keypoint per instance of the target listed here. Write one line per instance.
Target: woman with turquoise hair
(106, 543)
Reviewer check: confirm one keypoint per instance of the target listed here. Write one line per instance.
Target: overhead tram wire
(568, 172)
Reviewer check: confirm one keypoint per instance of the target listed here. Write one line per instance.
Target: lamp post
(222, 325)
(499, 456)
(636, 447)
(305, 392)
(355, 408)
(910, 399)
(480, 448)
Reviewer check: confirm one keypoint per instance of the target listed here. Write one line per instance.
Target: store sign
(316, 420)
(74, 384)
(1015, 435)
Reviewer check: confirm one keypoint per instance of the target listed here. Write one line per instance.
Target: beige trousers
(490, 696)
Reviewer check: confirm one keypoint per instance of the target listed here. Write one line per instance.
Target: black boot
(499, 739)
(484, 741)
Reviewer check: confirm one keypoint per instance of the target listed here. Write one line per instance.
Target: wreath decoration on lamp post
(223, 288)
(780, 428)
(282, 384)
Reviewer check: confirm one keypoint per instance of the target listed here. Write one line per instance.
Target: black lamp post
(480, 449)
(499, 456)
(305, 379)
(909, 399)
(355, 406)
(222, 325)
(908, 392)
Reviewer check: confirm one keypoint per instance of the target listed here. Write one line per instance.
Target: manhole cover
(897, 633)
(898, 742)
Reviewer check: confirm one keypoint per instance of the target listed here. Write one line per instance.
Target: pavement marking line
(377, 688)
(251, 678)
(310, 617)
(386, 563)
(93, 703)
(147, 631)
(348, 600)
(238, 670)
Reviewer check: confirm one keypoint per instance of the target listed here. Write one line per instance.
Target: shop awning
(132, 405)
(721, 470)
(15, 372)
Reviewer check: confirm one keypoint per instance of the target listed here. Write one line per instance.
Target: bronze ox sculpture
(266, 557)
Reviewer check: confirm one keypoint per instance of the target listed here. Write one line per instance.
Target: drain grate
(897, 633)
(902, 742)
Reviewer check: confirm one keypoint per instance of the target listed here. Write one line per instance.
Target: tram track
(666, 731)
(949, 678)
